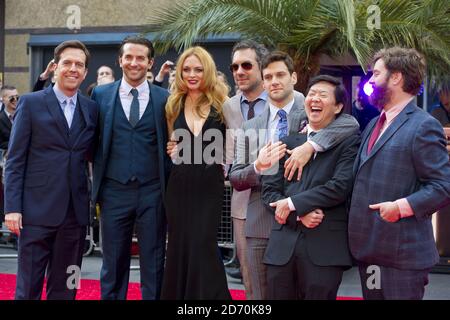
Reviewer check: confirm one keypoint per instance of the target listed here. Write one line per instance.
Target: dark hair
(75, 44)
(409, 62)
(104, 65)
(138, 40)
(7, 87)
(260, 50)
(278, 56)
(340, 94)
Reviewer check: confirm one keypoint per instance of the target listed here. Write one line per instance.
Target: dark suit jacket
(409, 161)
(46, 165)
(5, 130)
(326, 183)
(106, 97)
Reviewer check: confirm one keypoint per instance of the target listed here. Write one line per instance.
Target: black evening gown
(194, 197)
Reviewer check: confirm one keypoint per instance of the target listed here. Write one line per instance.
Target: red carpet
(90, 290)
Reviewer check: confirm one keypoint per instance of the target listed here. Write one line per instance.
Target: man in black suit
(46, 184)
(308, 250)
(10, 96)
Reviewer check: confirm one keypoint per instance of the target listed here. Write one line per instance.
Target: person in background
(44, 76)
(442, 111)
(362, 110)
(105, 75)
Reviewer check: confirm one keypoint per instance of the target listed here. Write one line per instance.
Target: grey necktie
(68, 111)
(134, 109)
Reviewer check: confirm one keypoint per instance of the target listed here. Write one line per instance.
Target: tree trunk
(305, 70)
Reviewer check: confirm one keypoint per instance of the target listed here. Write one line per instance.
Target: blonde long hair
(214, 92)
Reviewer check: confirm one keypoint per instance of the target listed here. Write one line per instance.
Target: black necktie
(134, 109)
(312, 134)
(251, 109)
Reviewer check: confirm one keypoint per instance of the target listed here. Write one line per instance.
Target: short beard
(380, 96)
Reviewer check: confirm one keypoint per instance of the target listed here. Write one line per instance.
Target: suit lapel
(294, 117)
(262, 123)
(236, 109)
(110, 106)
(55, 110)
(391, 130)
(84, 112)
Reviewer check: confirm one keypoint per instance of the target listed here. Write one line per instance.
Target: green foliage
(310, 28)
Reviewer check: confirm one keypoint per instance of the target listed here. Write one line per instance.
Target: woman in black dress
(194, 196)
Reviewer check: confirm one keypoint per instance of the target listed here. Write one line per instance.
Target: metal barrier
(225, 235)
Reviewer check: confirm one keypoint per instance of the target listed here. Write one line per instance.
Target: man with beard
(402, 176)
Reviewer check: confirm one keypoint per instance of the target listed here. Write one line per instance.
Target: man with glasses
(249, 102)
(10, 96)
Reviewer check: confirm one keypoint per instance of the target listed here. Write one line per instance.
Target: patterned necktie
(251, 109)
(376, 132)
(68, 111)
(282, 126)
(134, 109)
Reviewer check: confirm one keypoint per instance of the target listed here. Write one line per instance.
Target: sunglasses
(13, 99)
(245, 65)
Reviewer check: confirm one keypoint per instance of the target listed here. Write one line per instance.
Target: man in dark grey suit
(308, 249)
(402, 176)
(257, 150)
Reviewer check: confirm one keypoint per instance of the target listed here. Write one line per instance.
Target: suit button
(133, 179)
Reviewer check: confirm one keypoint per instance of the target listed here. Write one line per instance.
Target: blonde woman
(194, 269)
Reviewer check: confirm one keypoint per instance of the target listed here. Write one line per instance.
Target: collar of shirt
(125, 88)
(392, 113)
(274, 110)
(262, 96)
(309, 130)
(62, 97)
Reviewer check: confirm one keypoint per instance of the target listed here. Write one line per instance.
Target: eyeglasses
(245, 65)
(13, 99)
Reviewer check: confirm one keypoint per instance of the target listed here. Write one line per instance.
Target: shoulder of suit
(99, 90)
(159, 90)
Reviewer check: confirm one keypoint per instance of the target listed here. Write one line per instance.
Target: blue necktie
(282, 126)
(134, 109)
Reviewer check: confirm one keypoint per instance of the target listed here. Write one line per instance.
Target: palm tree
(308, 29)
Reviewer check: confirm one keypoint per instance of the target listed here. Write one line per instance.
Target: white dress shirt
(126, 97)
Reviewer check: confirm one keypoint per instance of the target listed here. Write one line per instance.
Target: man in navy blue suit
(402, 176)
(130, 172)
(46, 184)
